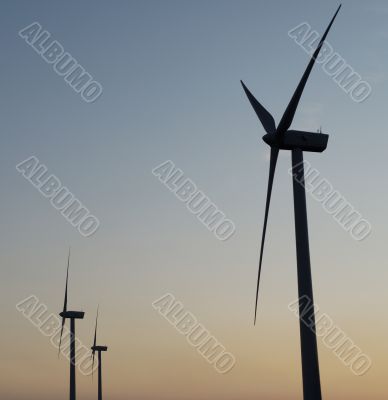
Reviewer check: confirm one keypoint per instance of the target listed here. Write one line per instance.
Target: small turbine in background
(72, 315)
(98, 349)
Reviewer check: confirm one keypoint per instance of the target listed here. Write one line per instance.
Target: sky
(169, 72)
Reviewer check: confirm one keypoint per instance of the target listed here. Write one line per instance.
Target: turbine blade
(272, 166)
(264, 116)
(64, 302)
(93, 364)
(67, 280)
(60, 338)
(288, 115)
(95, 330)
(94, 341)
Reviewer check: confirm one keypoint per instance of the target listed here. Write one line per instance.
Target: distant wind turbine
(99, 349)
(281, 138)
(72, 315)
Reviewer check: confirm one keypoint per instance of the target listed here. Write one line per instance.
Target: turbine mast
(308, 340)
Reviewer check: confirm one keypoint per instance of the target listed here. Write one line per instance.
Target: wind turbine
(72, 315)
(281, 138)
(99, 349)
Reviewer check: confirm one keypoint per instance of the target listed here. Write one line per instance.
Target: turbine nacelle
(305, 141)
(72, 314)
(99, 348)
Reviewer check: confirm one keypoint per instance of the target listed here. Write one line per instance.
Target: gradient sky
(170, 72)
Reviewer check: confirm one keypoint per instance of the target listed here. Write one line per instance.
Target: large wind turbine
(281, 138)
(99, 349)
(72, 315)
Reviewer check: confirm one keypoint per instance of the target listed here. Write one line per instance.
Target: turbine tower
(72, 315)
(281, 138)
(99, 349)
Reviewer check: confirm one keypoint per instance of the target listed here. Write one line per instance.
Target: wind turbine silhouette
(281, 138)
(72, 315)
(99, 349)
